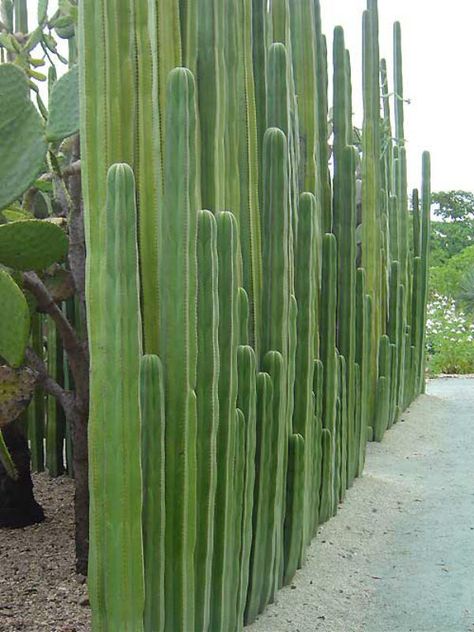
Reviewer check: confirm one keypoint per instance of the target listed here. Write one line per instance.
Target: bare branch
(49, 385)
(77, 355)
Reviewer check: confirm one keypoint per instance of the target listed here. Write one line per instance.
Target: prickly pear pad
(22, 139)
(15, 321)
(32, 244)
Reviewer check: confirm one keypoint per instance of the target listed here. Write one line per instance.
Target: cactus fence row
(241, 355)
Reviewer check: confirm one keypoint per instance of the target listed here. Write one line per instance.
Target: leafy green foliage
(449, 338)
(22, 141)
(32, 244)
(446, 279)
(63, 119)
(456, 230)
(15, 321)
(466, 290)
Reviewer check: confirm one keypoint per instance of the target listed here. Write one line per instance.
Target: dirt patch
(39, 590)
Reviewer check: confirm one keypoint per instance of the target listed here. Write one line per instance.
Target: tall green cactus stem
(403, 217)
(393, 330)
(148, 167)
(322, 147)
(105, 77)
(207, 409)
(261, 35)
(226, 549)
(243, 317)
(275, 296)
(416, 223)
(178, 280)
(344, 223)
(277, 96)
(328, 358)
(152, 401)
(54, 421)
(36, 410)
(305, 290)
(239, 491)
(294, 520)
(211, 81)
(401, 341)
(247, 403)
(318, 375)
(303, 41)
(275, 290)
(166, 20)
(262, 482)
(232, 131)
(368, 354)
(280, 16)
(117, 598)
(381, 419)
(344, 438)
(381, 408)
(398, 85)
(425, 255)
(21, 16)
(371, 191)
(274, 365)
(249, 216)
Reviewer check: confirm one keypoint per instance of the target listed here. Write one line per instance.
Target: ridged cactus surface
(282, 327)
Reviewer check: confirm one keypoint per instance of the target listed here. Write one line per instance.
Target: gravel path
(399, 556)
(39, 591)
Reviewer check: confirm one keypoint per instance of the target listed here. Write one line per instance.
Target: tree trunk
(78, 420)
(18, 507)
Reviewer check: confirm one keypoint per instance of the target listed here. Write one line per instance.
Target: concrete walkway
(399, 556)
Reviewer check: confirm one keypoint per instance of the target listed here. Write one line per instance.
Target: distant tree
(446, 279)
(466, 291)
(454, 230)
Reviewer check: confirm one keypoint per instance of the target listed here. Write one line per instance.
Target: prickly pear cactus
(63, 118)
(32, 244)
(15, 321)
(16, 390)
(22, 141)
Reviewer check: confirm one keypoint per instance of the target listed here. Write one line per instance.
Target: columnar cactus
(283, 327)
(117, 598)
(178, 300)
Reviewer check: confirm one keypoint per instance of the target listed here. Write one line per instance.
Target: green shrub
(449, 338)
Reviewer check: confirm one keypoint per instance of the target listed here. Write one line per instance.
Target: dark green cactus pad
(15, 321)
(16, 391)
(22, 141)
(63, 119)
(32, 244)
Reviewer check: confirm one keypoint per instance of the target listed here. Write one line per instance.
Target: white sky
(438, 45)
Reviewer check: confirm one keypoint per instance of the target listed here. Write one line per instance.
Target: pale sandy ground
(399, 556)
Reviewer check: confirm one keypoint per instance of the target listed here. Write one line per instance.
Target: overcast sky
(438, 44)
